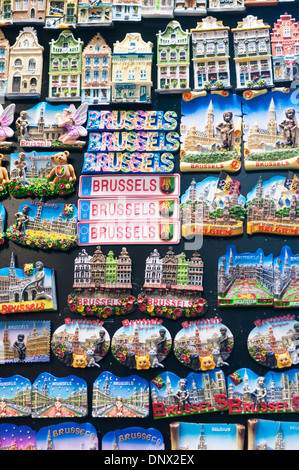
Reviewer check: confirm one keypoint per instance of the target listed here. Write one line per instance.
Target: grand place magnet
(80, 343)
(141, 344)
(203, 344)
(16, 397)
(286, 279)
(133, 438)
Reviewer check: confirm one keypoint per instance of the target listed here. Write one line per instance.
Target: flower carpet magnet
(265, 434)
(16, 397)
(203, 344)
(120, 397)
(213, 207)
(58, 397)
(141, 344)
(80, 343)
(173, 286)
(102, 284)
(68, 436)
(133, 438)
(48, 226)
(205, 436)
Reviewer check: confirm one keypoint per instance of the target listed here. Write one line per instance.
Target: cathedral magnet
(203, 345)
(264, 434)
(274, 342)
(67, 436)
(133, 438)
(80, 343)
(120, 397)
(141, 344)
(48, 226)
(15, 397)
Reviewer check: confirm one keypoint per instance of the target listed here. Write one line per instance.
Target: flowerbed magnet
(45, 225)
(245, 279)
(271, 140)
(272, 206)
(25, 341)
(203, 344)
(102, 284)
(41, 174)
(213, 207)
(264, 434)
(80, 343)
(203, 436)
(212, 143)
(273, 342)
(67, 436)
(286, 279)
(55, 397)
(133, 438)
(120, 397)
(172, 286)
(48, 126)
(15, 397)
(141, 344)
(198, 393)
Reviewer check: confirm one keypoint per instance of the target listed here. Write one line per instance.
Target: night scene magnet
(120, 397)
(264, 434)
(141, 344)
(102, 284)
(274, 342)
(134, 438)
(59, 397)
(14, 437)
(245, 279)
(211, 131)
(80, 343)
(213, 207)
(45, 225)
(48, 126)
(199, 392)
(274, 392)
(41, 174)
(16, 399)
(286, 279)
(25, 341)
(270, 130)
(67, 436)
(272, 206)
(203, 344)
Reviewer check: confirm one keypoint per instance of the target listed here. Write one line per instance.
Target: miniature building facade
(65, 68)
(126, 10)
(226, 5)
(4, 63)
(190, 7)
(96, 72)
(61, 14)
(173, 61)
(285, 48)
(131, 69)
(6, 9)
(210, 47)
(252, 51)
(25, 65)
(29, 11)
(94, 13)
(156, 8)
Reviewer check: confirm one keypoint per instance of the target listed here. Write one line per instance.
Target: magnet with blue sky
(203, 436)
(204, 344)
(286, 279)
(213, 207)
(120, 397)
(45, 225)
(58, 397)
(133, 438)
(14, 437)
(264, 434)
(211, 132)
(2, 224)
(274, 342)
(80, 343)
(67, 436)
(141, 344)
(16, 397)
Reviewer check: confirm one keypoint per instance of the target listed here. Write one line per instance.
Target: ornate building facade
(285, 48)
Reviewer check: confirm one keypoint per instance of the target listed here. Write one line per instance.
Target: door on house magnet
(70, 13)
(16, 84)
(143, 93)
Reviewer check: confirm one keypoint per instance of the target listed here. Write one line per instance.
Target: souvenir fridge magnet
(190, 7)
(272, 206)
(15, 397)
(286, 279)
(55, 397)
(48, 226)
(6, 132)
(120, 397)
(273, 342)
(203, 436)
(94, 14)
(203, 344)
(173, 286)
(264, 434)
(141, 344)
(25, 341)
(47, 125)
(245, 279)
(271, 139)
(80, 343)
(213, 207)
(213, 142)
(198, 393)
(284, 45)
(41, 174)
(67, 436)
(14, 437)
(133, 438)
(250, 393)
(231, 6)
(2, 224)
(102, 284)
(157, 9)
